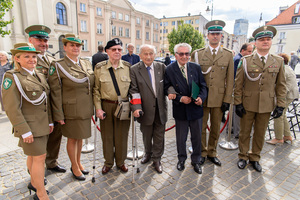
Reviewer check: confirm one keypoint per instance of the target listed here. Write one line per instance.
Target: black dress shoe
(158, 167)
(85, 172)
(214, 160)
(241, 163)
(256, 165)
(30, 187)
(146, 159)
(202, 160)
(180, 165)
(58, 168)
(197, 168)
(80, 178)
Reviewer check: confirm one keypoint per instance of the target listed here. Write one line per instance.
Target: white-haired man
(147, 91)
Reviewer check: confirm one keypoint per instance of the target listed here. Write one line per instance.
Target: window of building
(197, 21)
(113, 30)
(137, 49)
(113, 14)
(85, 45)
(147, 22)
(156, 37)
(296, 20)
(100, 43)
(282, 35)
(120, 31)
(280, 49)
(127, 18)
(99, 28)
(61, 14)
(156, 26)
(187, 21)
(126, 32)
(297, 8)
(120, 16)
(147, 36)
(173, 23)
(160, 23)
(137, 34)
(138, 20)
(99, 11)
(83, 26)
(82, 7)
(165, 30)
(165, 23)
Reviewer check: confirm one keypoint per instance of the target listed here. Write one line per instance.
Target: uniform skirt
(36, 148)
(76, 128)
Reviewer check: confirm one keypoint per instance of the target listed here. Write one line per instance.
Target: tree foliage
(5, 6)
(187, 34)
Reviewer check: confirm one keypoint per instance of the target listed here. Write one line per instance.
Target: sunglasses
(115, 49)
(182, 54)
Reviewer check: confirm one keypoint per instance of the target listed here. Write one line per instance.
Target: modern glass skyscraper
(241, 27)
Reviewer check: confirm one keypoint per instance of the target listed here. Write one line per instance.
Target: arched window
(61, 14)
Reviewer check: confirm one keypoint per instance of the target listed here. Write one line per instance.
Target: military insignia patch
(34, 94)
(7, 83)
(240, 63)
(52, 70)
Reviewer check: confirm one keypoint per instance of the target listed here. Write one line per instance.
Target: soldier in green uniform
(259, 87)
(71, 81)
(39, 36)
(218, 70)
(114, 132)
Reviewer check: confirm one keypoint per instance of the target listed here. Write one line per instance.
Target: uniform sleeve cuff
(25, 135)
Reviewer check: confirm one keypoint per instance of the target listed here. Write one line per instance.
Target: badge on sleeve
(52, 70)
(7, 83)
(240, 64)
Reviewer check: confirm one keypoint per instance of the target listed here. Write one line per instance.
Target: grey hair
(129, 45)
(182, 45)
(5, 53)
(149, 46)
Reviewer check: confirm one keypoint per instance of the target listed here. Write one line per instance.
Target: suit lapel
(41, 62)
(270, 61)
(208, 54)
(73, 66)
(219, 54)
(182, 80)
(257, 61)
(158, 76)
(144, 73)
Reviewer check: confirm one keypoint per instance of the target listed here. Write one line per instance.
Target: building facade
(99, 21)
(167, 25)
(241, 27)
(287, 24)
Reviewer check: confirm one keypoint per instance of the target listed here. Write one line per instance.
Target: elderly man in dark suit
(187, 104)
(147, 91)
(99, 56)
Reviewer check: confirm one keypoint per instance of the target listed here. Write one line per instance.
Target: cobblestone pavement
(278, 180)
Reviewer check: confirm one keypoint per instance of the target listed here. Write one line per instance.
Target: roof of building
(286, 16)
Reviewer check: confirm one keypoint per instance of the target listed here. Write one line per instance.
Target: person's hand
(171, 96)
(51, 129)
(225, 107)
(239, 110)
(28, 139)
(186, 99)
(136, 113)
(198, 101)
(62, 122)
(100, 114)
(278, 111)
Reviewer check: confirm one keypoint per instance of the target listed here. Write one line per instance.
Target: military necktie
(214, 53)
(149, 73)
(182, 71)
(34, 74)
(45, 60)
(263, 60)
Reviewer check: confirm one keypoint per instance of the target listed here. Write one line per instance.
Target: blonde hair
(17, 66)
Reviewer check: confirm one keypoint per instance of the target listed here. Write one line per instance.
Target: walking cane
(134, 147)
(95, 139)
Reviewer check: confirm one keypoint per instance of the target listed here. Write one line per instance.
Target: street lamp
(212, 8)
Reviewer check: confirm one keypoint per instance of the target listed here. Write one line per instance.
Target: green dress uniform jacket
(269, 90)
(43, 66)
(69, 99)
(219, 78)
(25, 116)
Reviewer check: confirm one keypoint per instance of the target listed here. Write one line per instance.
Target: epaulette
(227, 49)
(276, 56)
(247, 56)
(201, 49)
(100, 64)
(49, 54)
(11, 71)
(59, 60)
(126, 63)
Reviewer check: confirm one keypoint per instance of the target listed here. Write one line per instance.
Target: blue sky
(227, 10)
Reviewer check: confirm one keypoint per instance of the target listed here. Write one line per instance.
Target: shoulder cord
(36, 102)
(246, 72)
(76, 80)
(197, 61)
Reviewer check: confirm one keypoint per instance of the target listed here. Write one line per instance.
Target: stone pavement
(278, 180)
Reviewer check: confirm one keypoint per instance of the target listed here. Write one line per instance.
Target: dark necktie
(263, 60)
(214, 53)
(45, 60)
(34, 74)
(149, 73)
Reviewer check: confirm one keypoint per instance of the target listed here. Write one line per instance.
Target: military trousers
(53, 146)
(210, 148)
(281, 124)
(260, 121)
(114, 134)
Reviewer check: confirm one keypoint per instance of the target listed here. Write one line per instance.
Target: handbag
(123, 109)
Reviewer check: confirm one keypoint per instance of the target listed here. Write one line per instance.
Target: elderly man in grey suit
(147, 91)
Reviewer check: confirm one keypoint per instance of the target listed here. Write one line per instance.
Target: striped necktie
(214, 53)
(263, 60)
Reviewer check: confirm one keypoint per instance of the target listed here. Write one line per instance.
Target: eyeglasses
(115, 49)
(182, 54)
